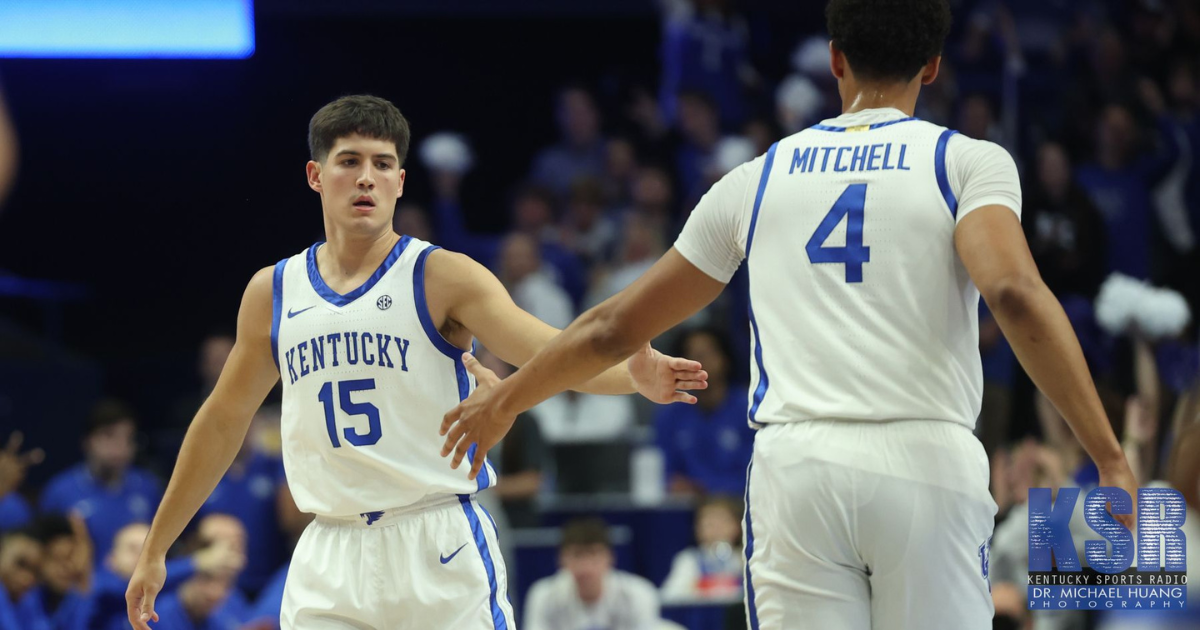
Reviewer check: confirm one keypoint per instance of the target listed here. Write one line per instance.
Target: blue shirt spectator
(707, 446)
(196, 607)
(581, 152)
(71, 612)
(269, 605)
(106, 490)
(15, 512)
(248, 491)
(705, 48)
(20, 567)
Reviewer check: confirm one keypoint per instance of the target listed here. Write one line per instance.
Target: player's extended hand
(475, 420)
(144, 586)
(660, 378)
(1121, 476)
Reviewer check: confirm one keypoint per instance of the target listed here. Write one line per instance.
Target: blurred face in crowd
(975, 119)
(1054, 169)
(519, 258)
(578, 118)
(716, 524)
(223, 529)
(411, 220)
(698, 121)
(1115, 136)
(652, 189)
(531, 214)
(589, 565)
(639, 240)
(59, 571)
(127, 546)
(1181, 85)
(359, 182)
(110, 449)
(621, 159)
(20, 564)
(214, 352)
(702, 347)
(204, 593)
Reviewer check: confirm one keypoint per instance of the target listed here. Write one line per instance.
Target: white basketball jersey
(366, 380)
(859, 305)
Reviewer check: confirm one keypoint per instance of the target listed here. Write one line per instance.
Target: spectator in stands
(581, 150)
(706, 48)
(587, 231)
(20, 567)
(8, 152)
(213, 352)
(1065, 230)
(249, 492)
(620, 168)
(653, 201)
(106, 489)
(587, 592)
(14, 511)
(523, 274)
(707, 446)
(412, 220)
(638, 249)
(62, 599)
(700, 130)
(199, 604)
(518, 458)
(713, 568)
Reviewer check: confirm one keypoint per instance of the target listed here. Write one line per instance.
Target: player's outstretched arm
(212, 441)
(993, 249)
(670, 292)
(473, 297)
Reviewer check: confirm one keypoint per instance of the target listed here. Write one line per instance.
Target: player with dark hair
(371, 333)
(869, 238)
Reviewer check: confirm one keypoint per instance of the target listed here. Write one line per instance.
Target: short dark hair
(886, 40)
(361, 114)
(721, 336)
(585, 532)
(50, 527)
(107, 413)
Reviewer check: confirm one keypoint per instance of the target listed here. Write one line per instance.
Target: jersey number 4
(853, 254)
(345, 389)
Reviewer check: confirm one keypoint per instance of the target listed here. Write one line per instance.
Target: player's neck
(858, 96)
(347, 255)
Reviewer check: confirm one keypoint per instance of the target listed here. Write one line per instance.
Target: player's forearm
(1042, 338)
(614, 381)
(211, 443)
(580, 353)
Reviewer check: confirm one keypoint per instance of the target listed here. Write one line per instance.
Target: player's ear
(313, 170)
(837, 62)
(400, 188)
(930, 71)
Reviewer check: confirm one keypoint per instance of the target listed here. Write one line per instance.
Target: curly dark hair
(888, 40)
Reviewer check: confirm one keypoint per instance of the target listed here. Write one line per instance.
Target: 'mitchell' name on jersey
(366, 380)
(860, 308)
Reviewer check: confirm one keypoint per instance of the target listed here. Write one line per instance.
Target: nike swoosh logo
(446, 560)
(292, 313)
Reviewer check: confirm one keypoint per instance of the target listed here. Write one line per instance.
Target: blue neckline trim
(869, 127)
(338, 299)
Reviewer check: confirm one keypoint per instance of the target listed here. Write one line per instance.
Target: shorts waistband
(380, 518)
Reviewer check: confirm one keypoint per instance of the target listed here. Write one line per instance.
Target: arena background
(148, 191)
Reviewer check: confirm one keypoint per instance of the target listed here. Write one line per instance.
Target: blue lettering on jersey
(863, 158)
(377, 349)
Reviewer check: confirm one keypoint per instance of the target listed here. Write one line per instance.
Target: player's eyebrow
(385, 156)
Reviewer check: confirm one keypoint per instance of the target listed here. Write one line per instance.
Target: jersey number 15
(851, 205)
(351, 408)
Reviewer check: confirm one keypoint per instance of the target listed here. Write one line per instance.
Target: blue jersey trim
(869, 127)
(499, 621)
(761, 391)
(338, 299)
(939, 167)
(751, 607)
(276, 309)
(483, 480)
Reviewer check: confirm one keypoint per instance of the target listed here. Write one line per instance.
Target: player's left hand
(476, 420)
(664, 379)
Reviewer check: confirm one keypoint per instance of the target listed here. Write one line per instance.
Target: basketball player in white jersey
(369, 332)
(869, 239)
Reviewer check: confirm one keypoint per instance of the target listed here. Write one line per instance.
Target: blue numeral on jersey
(345, 388)
(851, 204)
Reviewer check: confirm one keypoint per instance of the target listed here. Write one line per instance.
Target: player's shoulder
(963, 147)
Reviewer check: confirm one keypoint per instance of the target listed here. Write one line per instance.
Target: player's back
(860, 306)
(366, 380)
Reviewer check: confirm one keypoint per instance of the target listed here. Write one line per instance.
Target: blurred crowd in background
(1099, 103)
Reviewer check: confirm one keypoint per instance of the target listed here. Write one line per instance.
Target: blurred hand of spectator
(1151, 96)
(82, 552)
(14, 463)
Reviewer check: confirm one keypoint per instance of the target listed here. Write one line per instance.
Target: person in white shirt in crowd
(521, 271)
(588, 592)
(713, 568)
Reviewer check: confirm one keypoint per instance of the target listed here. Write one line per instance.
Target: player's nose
(367, 178)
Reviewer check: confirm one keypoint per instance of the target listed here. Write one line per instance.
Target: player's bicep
(714, 236)
(478, 300)
(982, 174)
(250, 372)
(992, 247)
